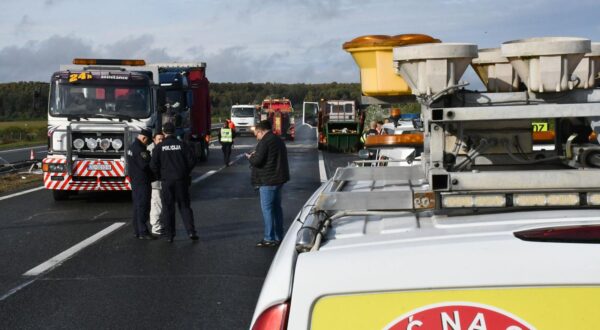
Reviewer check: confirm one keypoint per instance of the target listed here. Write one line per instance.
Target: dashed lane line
(57, 260)
(70, 252)
(212, 172)
(322, 172)
(21, 193)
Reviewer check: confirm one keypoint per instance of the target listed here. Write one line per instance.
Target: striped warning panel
(90, 175)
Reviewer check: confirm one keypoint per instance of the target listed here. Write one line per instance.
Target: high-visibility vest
(226, 135)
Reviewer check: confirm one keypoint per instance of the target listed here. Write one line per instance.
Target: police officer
(172, 162)
(138, 164)
(226, 135)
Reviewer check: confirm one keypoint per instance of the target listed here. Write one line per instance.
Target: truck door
(310, 111)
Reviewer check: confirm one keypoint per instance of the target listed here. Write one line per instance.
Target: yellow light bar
(483, 200)
(93, 61)
(555, 199)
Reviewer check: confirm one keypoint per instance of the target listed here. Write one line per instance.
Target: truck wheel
(60, 195)
(202, 151)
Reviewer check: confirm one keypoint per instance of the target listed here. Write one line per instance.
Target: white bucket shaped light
(588, 69)
(431, 68)
(546, 64)
(495, 71)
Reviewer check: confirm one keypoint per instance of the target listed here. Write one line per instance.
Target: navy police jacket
(138, 163)
(172, 160)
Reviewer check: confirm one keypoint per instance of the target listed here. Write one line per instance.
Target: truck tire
(60, 195)
(202, 150)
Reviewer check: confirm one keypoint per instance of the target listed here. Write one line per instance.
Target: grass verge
(19, 181)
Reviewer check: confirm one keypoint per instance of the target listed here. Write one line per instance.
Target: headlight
(104, 144)
(91, 143)
(117, 144)
(57, 168)
(78, 144)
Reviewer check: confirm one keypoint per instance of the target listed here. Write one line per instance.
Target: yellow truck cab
(485, 232)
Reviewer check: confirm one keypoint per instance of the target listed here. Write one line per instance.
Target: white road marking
(64, 256)
(204, 176)
(322, 173)
(15, 290)
(21, 193)
(211, 172)
(99, 215)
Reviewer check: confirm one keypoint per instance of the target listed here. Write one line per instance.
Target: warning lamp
(274, 318)
(566, 234)
(92, 61)
(408, 139)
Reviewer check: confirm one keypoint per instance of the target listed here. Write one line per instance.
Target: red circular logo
(458, 316)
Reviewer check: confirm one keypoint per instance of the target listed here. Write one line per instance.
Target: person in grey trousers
(156, 199)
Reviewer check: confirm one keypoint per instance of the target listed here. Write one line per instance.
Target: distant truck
(280, 113)
(244, 117)
(184, 100)
(339, 124)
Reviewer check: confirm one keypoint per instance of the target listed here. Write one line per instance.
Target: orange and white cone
(31, 155)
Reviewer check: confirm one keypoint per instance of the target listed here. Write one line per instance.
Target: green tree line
(28, 100)
(23, 101)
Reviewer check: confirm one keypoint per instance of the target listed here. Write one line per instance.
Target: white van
(244, 117)
(387, 269)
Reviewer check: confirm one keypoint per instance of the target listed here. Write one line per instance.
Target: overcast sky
(262, 40)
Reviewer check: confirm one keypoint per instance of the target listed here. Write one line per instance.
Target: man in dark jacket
(172, 162)
(270, 171)
(140, 175)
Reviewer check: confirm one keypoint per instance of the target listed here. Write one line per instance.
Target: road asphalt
(119, 281)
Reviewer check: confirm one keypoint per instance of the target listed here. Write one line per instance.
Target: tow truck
(280, 113)
(96, 108)
(485, 232)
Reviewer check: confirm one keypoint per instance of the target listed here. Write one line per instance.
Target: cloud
(137, 47)
(24, 26)
(36, 60)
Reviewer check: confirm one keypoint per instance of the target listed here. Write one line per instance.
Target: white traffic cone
(31, 155)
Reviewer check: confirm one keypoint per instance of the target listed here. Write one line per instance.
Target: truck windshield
(242, 112)
(106, 99)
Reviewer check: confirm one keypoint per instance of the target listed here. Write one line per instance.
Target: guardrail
(15, 167)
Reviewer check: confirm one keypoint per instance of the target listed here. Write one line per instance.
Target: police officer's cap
(169, 128)
(146, 132)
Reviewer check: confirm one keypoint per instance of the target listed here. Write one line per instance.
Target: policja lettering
(171, 147)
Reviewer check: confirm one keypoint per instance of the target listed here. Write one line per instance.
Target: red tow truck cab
(280, 113)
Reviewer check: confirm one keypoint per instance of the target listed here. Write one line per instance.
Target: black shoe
(193, 237)
(170, 239)
(264, 243)
(147, 237)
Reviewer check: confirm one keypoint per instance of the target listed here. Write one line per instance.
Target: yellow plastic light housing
(373, 55)
(93, 61)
